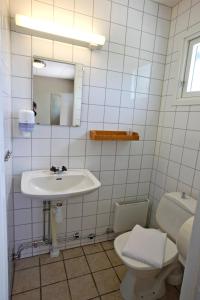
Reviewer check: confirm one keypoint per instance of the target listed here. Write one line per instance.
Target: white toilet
(143, 281)
(183, 240)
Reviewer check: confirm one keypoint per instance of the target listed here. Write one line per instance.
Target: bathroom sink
(49, 186)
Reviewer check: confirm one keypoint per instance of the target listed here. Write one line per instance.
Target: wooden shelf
(108, 135)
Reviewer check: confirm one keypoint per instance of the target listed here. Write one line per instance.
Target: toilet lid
(171, 253)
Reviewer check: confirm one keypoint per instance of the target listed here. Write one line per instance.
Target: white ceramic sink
(49, 186)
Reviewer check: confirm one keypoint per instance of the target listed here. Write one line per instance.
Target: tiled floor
(88, 272)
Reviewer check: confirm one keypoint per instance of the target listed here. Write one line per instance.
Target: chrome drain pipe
(28, 245)
(46, 236)
(46, 239)
(44, 220)
(47, 209)
(37, 243)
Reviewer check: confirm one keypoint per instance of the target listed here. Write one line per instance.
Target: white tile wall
(180, 123)
(5, 139)
(122, 90)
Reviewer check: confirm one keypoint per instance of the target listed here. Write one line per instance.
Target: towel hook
(7, 155)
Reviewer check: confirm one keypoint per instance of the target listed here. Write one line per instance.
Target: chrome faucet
(58, 170)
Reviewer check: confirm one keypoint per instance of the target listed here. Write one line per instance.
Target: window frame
(186, 94)
(186, 39)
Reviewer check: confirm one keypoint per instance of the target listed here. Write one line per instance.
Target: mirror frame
(78, 86)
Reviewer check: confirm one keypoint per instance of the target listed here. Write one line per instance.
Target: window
(191, 81)
(187, 79)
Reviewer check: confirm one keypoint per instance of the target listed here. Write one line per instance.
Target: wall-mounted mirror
(57, 92)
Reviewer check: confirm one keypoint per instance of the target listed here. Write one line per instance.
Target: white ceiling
(168, 2)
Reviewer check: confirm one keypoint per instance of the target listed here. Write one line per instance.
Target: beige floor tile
(98, 261)
(171, 293)
(121, 270)
(106, 281)
(107, 245)
(31, 295)
(72, 253)
(25, 280)
(94, 248)
(82, 288)
(47, 259)
(26, 263)
(76, 267)
(112, 296)
(52, 273)
(58, 291)
(115, 260)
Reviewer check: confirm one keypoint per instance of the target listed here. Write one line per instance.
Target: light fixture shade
(38, 63)
(58, 32)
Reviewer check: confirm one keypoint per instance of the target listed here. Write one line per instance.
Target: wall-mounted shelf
(108, 135)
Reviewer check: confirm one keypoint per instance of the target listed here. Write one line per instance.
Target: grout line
(53, 283)
(67, 278)
(40, 273)
(112, 265)
(120, 92)
(144, 125)
(92, 275)
(169, 58)
(21, 293)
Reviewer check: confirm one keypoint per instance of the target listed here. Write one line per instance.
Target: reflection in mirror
(57, 92)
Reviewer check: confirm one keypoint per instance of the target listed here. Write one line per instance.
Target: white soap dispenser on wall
(26, 122)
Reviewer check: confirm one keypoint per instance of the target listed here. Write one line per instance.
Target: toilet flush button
(183, 195)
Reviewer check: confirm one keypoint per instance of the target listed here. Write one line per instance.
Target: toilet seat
(171, 254)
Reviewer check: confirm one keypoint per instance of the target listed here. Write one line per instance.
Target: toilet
(141, 280)
(183, 240)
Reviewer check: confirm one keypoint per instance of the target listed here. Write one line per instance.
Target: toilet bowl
(143, 281)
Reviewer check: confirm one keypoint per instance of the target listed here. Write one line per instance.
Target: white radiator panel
(128, 214)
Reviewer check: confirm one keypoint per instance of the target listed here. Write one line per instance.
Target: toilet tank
(173, 211)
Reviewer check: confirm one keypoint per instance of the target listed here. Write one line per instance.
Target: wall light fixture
(51, 30)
